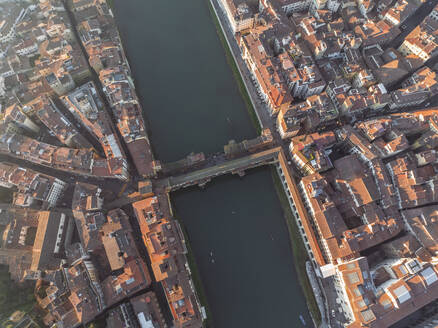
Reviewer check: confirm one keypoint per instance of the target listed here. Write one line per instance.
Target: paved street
(14, 252)
(266, 121)
(115, 185)
(261, 108)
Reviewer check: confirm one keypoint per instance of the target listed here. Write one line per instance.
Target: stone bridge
(233, 166)
(203, 176)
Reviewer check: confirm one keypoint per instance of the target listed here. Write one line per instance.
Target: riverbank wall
(237, 71)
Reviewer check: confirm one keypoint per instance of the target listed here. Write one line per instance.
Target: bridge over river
(204, 175)
(234, 166)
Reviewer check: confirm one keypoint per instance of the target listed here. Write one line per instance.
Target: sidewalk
(260, 109)
(266, 121)
(318, 295)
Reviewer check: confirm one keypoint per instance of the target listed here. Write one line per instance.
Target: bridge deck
(233, 165)
(202, 175)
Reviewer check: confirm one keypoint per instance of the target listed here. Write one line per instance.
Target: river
(187, 90)
(192, 103)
